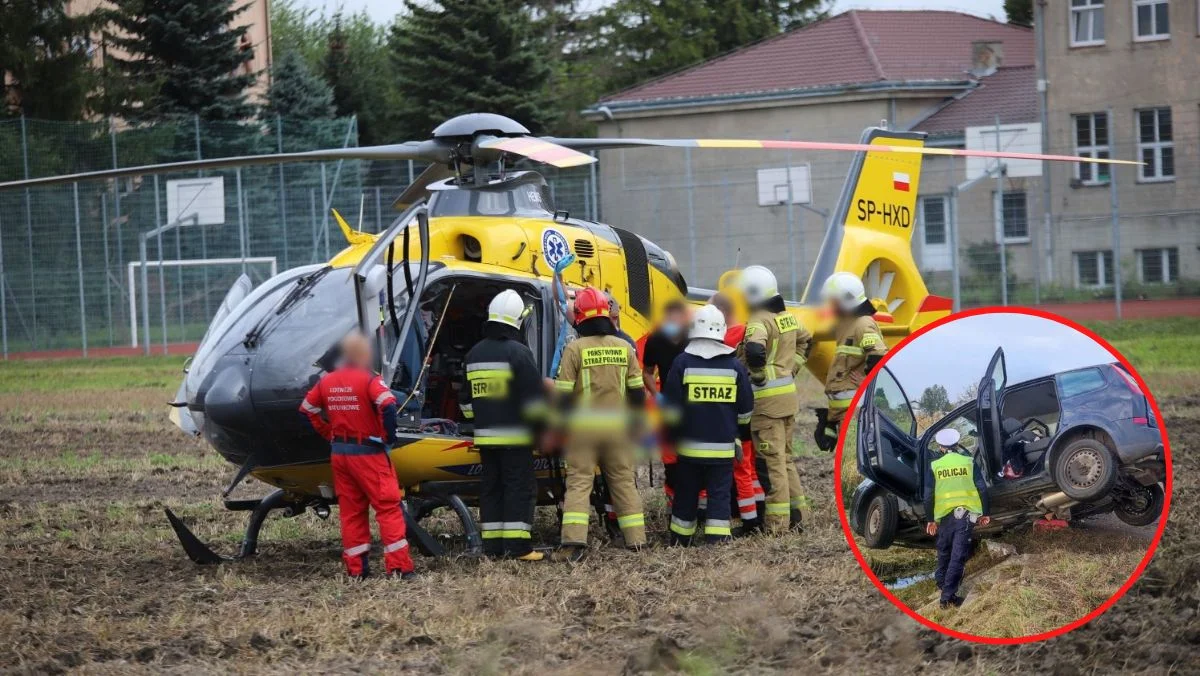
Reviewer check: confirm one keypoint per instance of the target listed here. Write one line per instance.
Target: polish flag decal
(900, 181)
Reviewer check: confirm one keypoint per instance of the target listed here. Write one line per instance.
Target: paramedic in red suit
(360, 424)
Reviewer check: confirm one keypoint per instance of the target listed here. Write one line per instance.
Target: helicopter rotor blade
(432, 174)
(543, 150)
(429, 151)
(750, 144)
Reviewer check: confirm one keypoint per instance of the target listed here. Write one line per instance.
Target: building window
(1158, 266)
(1156, 146)
(1151, 20)
(1091, 140)
(1087, 22)
(933, 215)
(1015, 208)
(1093, 268)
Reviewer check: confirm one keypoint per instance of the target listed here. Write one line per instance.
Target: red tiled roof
(853, 48)
(1010, 93)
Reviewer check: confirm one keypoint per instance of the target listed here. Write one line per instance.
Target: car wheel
(1085, 470)
(879, 526)
(1140, 505)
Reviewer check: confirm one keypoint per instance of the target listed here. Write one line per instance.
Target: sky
(955, 355)
(384, 10)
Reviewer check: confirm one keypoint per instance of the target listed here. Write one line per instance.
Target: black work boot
(797, 521)
(568, 554)
(953, 602)
(750, 527)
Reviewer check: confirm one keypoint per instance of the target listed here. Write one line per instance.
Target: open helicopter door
(987, 406)
(376, 272)
(888, 451)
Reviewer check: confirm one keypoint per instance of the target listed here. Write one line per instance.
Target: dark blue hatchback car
(1087, 439)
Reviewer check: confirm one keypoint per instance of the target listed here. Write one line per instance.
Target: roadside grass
(1166, 352)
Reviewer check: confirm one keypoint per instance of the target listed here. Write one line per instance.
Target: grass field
(95, 581)
(1058, 576)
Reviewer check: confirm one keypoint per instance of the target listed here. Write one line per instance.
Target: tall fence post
(1115, 206)
(108, 309)
(112, 137)
(282, 191)
(3, 301)
(691, 212)
(241, 221)
(791, 215)
(79, 271)
(952, 231)
(162, 281)
(29, 232)
(1000, 170)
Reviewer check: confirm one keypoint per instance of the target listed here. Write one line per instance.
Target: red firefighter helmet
(590, 303)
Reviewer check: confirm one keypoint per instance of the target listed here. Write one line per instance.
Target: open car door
(987, 403)
(888, 453)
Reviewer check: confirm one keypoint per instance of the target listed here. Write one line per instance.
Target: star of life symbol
(554, 246)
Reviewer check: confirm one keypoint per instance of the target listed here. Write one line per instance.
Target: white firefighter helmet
(758, 284)
(507, 308)
(845, 289)
(707, 322)
(947, 438)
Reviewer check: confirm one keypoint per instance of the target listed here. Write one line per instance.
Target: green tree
(1019, 12)
(185, 58)
(45, 60)
(934, 399)
(357, 65)
(648, 38)
(296, 92)
(460, 56)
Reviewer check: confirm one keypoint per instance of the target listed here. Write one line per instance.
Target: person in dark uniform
(956, 499)
(355, 411)
(505, 399)
(663, 345)
(707, 407)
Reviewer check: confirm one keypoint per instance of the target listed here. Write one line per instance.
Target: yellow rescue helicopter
(470, 227)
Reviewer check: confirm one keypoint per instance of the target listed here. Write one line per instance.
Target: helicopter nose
(228, 402)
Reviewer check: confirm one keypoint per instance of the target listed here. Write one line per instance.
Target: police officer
(707, 404)
(774, 349)
(355, 411)
(505, 399)
(956, 499)
(859, 346)
(600, 385)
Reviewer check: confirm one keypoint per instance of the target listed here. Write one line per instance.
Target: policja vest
(954, 485)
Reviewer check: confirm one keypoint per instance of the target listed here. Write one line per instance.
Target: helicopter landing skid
(419, 508)
(202, 554)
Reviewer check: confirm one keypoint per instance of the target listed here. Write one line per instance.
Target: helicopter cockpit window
(526, 200)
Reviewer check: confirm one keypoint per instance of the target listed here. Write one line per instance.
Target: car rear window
(1079, 382)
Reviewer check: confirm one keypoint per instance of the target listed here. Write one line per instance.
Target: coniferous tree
(46, 55)
(461, 56)
(1019, 12)
(296, 92)
(184, 58)
(357, 66)
(647, 38)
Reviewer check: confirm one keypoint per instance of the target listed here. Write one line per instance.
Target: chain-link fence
(109, 263)
(79, 270)
(1098, 252)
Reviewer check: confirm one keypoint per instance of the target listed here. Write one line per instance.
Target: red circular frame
(996, 640)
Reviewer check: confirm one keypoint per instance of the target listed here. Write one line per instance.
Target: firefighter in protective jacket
(600, 384)
(774, 350)
(707, 407)
(505, 399)
(859, 346)
(355, 411)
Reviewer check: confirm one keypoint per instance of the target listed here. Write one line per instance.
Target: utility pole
(1000, 169)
